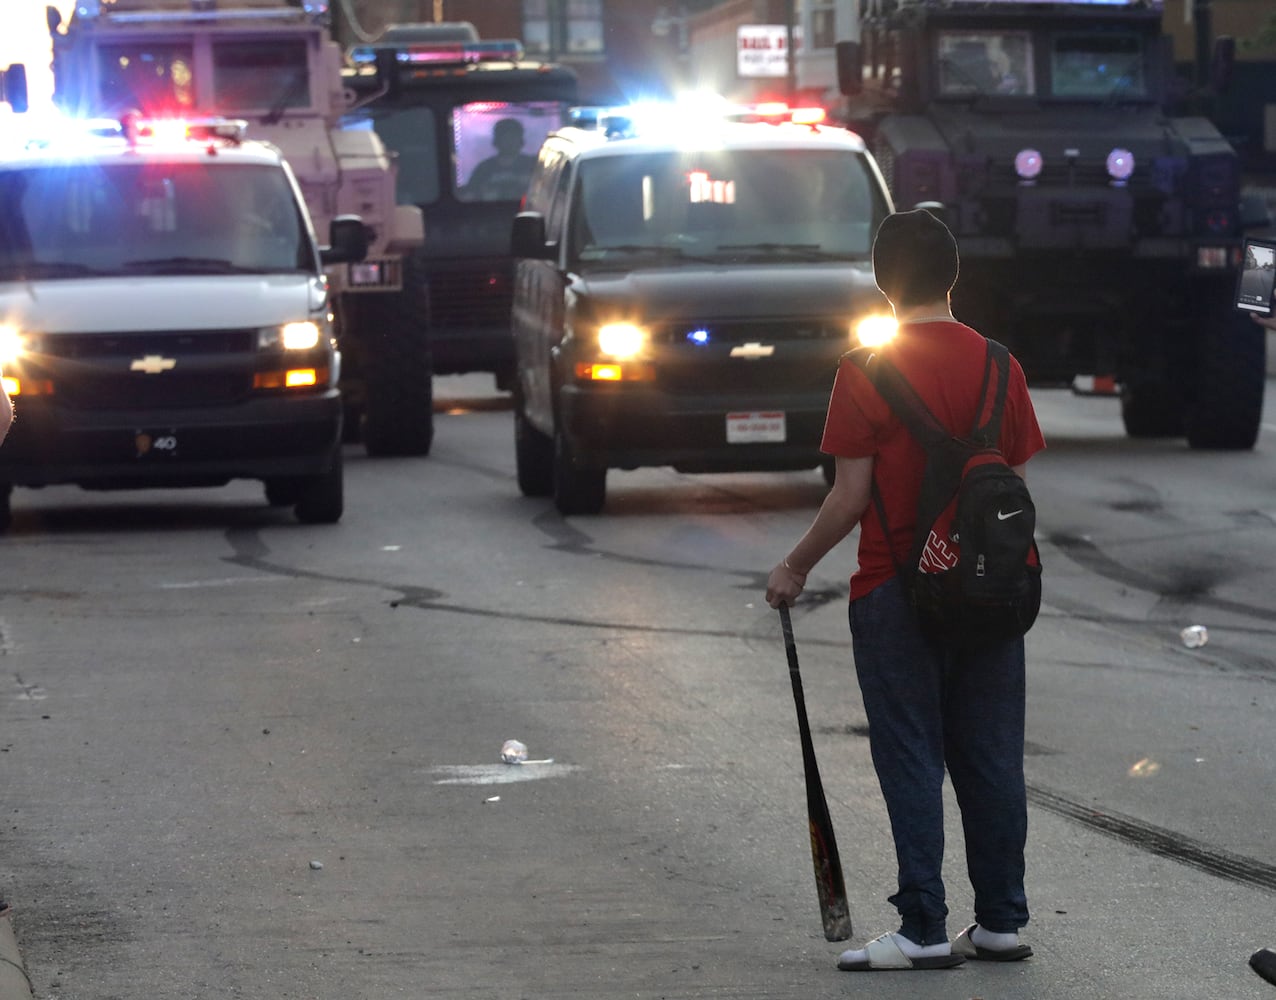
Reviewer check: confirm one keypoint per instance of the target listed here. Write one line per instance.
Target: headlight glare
(300, 336)
(873, 331)
(621, 341)
(12, 345)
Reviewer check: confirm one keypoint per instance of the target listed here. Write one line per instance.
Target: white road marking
(498, 774)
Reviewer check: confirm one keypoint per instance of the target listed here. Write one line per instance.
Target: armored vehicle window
(784, 204)
(272, 75)
(495, 144)
(985, 62)
(410, 133)
(68, 221)
(1097, 65)
(153, 77)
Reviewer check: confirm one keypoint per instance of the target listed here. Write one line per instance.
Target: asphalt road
(246, 758)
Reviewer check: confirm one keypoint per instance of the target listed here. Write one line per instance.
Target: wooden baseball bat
(834, 906)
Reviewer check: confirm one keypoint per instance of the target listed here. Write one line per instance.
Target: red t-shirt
(944, 363)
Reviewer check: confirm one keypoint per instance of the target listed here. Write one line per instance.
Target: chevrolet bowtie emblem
(152, 364)
(752, 350)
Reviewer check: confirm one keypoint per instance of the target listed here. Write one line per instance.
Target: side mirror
(1222, 64)
(527, 237)
(347, 241)
(850, 68)
(13, 87)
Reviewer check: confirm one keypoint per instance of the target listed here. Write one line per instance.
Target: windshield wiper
(28, 269)
(190, 265)
(808, 251)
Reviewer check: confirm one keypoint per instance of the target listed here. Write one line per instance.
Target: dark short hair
(914, 258)
(508, 126)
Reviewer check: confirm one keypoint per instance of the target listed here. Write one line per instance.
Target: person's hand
(1267, 321)
(784, 584)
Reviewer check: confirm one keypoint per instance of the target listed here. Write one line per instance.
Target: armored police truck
(1099, 233)
(465, 117)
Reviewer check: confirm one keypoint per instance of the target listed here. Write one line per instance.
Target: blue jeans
(928, 708)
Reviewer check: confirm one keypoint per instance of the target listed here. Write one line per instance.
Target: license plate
(756, 428)
(155, 446)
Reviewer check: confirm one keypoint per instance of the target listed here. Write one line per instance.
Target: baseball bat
(835, 910)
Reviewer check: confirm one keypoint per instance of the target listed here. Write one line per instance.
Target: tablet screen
(1258, 277)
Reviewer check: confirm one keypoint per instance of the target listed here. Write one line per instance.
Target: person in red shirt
(929, 708)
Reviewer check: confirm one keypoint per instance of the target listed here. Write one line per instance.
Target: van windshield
(771, 204)
(70, 220)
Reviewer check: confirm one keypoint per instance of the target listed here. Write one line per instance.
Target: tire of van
(398, 371)
(576, 490)
(321, 498)
(533, 455)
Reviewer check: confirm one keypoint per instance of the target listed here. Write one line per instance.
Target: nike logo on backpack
(1001, 516)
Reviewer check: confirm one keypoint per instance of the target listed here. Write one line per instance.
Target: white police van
(164, 316)
(687, 283)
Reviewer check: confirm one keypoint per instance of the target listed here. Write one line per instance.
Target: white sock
(909, 947)
(914, 950)
(992, 940)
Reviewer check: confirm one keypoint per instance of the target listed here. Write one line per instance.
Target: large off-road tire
(1152, 409)
(321, 498)
(1230, 376)
(398, 372)
(533, 455)
(577, 489)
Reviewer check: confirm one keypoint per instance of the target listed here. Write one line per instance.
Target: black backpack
(974, 573)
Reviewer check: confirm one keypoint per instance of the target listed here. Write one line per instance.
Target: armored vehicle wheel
(1151, 409)
(398, 409)
(321, 498)
(533, 456)
(1230, 376)
(576, 490)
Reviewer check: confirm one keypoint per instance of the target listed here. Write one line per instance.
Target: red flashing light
(454, 53)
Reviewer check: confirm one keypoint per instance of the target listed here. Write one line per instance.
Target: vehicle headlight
(1120, 164)
(621, 341)
(873, 331)
(299, 336)
(12, 343)
(1028, 164)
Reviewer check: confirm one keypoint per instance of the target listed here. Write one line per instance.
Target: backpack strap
(988, 434)
(941, 446)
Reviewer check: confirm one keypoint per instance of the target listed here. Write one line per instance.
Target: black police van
(684, 291)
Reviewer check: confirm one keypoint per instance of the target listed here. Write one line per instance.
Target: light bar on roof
(444, 53)
(1149, 4)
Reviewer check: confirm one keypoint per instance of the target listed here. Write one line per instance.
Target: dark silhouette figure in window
(503, 176)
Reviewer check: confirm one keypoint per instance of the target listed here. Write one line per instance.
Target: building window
(823, 24)
(556, 28)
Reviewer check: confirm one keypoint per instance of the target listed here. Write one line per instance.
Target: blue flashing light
(699, 337)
